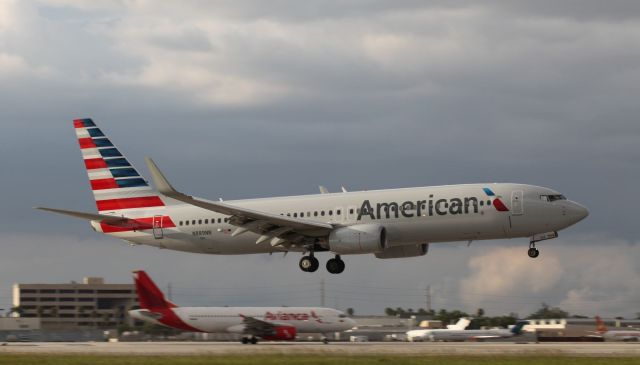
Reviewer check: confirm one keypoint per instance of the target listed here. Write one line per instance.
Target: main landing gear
(252, 340)
(335, 265)
(310, 264)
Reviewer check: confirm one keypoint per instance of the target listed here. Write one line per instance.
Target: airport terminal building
(90, 304)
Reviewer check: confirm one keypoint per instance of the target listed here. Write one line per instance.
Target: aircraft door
(158, 232)
(516, 202)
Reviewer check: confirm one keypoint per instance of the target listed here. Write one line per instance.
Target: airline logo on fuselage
(284, 316)
(429, 207)
(291, 316)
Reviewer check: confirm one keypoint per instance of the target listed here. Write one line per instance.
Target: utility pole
(322, 292)
(428, 297)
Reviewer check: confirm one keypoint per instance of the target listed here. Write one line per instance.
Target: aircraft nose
(578, 212)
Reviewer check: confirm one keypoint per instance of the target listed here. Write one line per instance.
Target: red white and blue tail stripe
(115, 183)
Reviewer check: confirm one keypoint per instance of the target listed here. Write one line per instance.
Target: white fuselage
(411, 216)
(622, 335)
(231, 319)
(457, 335)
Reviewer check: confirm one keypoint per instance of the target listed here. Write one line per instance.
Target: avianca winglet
(267, 323)
(393, 223)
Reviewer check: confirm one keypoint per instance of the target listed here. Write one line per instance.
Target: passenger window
(301, 214)
(288, 214)
(226, 220)
(488, 202)
(308, 214)
(219, 220)
(481, 202)
(338, 212)
(206, 221)
(331, 212)
(199, 221)
(322, 213)
(193, 222)
(315, 214)
(186, 223)
(351, 211)
(180, 223)
(295, 215)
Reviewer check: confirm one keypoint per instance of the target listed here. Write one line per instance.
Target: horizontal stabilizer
(102, 218)
(87, 216)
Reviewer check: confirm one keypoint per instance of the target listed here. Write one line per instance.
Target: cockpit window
(551, 198)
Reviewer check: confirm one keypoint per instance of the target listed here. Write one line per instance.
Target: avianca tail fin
(600, 326)
(149, 295)
(115, 183)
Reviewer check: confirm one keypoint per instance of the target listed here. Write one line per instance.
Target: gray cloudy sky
(246, 99)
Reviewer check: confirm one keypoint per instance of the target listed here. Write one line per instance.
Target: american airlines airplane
(267, 323)
(465, 335)
(393, 223)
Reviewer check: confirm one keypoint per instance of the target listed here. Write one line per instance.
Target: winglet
(161, 182)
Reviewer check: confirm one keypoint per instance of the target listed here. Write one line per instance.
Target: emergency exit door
(157, 227)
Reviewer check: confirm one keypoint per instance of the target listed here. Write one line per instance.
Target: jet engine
(357, 239)
(403, 251)
(281, 333)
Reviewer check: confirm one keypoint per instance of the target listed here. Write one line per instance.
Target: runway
(338, 348)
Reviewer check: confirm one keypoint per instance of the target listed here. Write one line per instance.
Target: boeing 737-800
(268, 323)
(391, 223)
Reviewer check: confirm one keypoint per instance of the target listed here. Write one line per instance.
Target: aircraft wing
(268, 225)
(257, 327)
(102, 218)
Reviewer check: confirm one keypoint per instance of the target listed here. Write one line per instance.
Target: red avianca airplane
(267, 323)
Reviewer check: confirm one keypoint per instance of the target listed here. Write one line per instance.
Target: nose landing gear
(533, 251)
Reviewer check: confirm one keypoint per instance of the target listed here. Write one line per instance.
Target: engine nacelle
(361, 238)
(404, 251)
(282, 333)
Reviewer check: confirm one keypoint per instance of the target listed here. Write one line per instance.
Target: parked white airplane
(424, 334)
(390, 223)
(629, 334)
(465, 335)
(268, 323)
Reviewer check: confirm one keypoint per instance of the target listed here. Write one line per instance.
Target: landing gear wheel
(325, 340)
(245, 340)
(335, 265)
(533, 252)
(253, 340)
(309, 263)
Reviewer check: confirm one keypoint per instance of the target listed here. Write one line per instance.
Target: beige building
(90, 304)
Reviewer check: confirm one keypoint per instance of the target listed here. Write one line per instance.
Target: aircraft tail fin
(149, 295)
(462, 324)
(600, 326)
(115, 183)
(517, 329)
